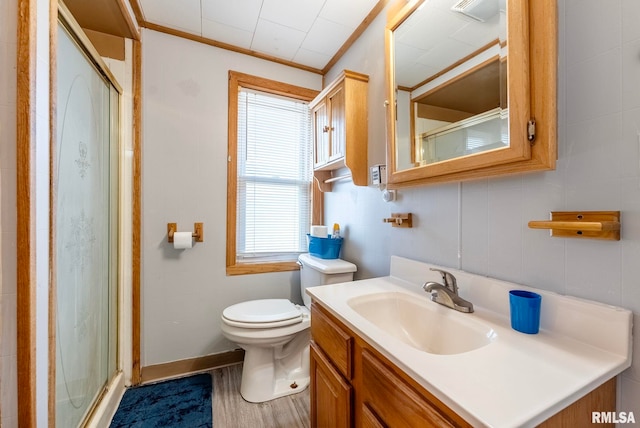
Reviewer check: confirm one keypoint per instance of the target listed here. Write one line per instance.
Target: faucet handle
(448, 278)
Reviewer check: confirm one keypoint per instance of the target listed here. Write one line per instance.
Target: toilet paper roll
(182, 240)
(319, 231)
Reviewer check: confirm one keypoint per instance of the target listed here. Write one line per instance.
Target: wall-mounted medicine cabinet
(471, 89)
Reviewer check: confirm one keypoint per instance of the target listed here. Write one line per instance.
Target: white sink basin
(421, 324)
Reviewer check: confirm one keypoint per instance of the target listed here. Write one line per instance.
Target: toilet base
(272, 372)
(281, 388)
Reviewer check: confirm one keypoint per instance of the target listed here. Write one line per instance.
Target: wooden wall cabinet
(353, 385)
(340, 130)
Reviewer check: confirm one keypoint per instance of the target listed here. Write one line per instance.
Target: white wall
(481, 226)
(184, 159)
(8, 351)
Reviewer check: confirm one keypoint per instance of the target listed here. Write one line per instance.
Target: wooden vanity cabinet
(353, 385)
(332, 395)
(392, 402)
(331, 372)
(340, 130)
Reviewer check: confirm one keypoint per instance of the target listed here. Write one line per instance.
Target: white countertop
(516, 380)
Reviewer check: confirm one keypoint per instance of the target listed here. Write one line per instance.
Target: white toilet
(275, 333)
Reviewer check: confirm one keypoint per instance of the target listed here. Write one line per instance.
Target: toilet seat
(263, 313)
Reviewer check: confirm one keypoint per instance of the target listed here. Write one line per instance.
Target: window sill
(254, 268)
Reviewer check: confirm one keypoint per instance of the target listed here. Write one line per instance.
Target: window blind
(274, 176)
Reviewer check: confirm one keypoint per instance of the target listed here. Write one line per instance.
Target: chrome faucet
(447, 294)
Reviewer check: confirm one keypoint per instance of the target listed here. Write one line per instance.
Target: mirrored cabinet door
(471, 89)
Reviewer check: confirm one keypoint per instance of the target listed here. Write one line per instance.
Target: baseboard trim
(192, 365)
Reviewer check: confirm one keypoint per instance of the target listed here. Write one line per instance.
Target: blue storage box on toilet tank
(325, 248)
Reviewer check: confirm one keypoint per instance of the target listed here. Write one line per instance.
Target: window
(269, 201)
(274, 176)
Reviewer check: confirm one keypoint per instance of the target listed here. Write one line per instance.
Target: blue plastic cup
(525, 311)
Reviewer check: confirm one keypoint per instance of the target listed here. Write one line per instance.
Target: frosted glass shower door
(85, 229)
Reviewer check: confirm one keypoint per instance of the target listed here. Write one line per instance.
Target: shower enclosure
(84, 229)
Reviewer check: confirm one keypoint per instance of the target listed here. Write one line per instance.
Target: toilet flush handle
(299, 264)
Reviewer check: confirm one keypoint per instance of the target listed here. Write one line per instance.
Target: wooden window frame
(239, 80)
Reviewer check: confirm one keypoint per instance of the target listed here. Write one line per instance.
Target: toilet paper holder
(198, 231)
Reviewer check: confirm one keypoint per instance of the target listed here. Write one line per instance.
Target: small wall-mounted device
(400, 220)
(378, 175)
(388, 195)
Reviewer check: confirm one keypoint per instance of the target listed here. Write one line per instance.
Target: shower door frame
(66, 19)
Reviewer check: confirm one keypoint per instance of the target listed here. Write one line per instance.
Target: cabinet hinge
(531, 131)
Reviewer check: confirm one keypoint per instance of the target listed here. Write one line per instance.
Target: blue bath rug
(176, 403)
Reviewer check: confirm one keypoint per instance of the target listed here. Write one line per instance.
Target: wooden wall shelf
(582, 224)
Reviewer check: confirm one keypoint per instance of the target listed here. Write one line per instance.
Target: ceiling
(309, 33)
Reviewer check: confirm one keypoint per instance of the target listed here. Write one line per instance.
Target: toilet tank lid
(327, 266)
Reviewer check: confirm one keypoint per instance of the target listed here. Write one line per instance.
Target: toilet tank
(316, 271)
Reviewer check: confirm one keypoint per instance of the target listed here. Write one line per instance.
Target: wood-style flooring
(230, 410)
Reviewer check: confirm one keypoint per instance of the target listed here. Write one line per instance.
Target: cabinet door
(321, 135)
(331, 396)
(370, 419)
(391, 402)
(336, 343)
(337, 113)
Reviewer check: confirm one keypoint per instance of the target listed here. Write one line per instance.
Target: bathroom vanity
(349, 376)
(384, 355)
